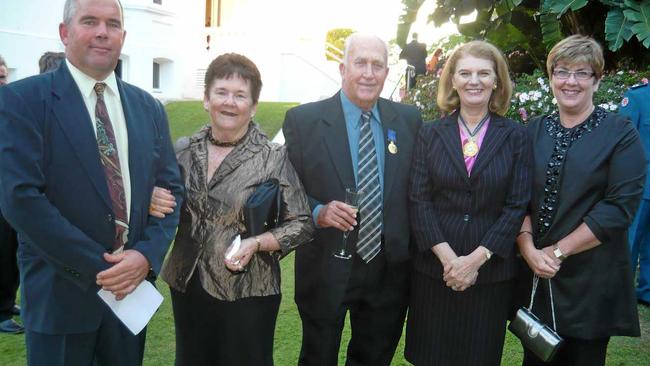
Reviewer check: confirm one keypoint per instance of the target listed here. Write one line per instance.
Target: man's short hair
(70, 8)
(2, 62)
(352, 37)
(50, 61)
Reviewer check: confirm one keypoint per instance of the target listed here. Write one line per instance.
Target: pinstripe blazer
(486, 208)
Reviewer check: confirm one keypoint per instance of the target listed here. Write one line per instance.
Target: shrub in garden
(532, 94)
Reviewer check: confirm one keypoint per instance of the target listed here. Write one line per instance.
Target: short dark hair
(50, 61)
(233, 64)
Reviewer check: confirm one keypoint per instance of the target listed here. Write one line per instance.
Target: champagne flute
(352, 199)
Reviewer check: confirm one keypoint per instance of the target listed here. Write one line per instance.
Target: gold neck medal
(470, 148)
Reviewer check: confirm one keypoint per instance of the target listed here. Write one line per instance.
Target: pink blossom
(644, 80)
(523, 114)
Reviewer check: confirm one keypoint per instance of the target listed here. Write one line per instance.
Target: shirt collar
(352, 113)
(86, 84)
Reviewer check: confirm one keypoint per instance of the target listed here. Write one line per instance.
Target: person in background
(359, 141)
(434, 63)
(225, 306)
(80, 154)
(9, 277)
(4, 72)
(49, 61)
(415, 54)
(635, 105)
(589, 169)
(469, 189)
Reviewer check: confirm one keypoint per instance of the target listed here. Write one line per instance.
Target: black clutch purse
(262, 209)
(534, 335)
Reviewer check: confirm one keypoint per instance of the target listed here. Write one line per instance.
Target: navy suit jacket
(53, 191)
(318, 147)
(484, 208)
(636, 107)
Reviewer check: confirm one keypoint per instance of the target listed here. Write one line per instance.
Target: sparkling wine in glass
(353, 199)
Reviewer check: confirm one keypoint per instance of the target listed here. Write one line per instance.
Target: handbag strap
(532, 297)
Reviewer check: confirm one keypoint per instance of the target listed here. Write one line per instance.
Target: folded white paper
(137, 308)
(235, 247)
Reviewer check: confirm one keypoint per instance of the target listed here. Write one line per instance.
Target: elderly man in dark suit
(80, 154)
(356, 140)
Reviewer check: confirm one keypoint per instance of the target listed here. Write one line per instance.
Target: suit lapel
(451, 139)
(392, 162)
(70, 110)
(494, 137)
(335, 136)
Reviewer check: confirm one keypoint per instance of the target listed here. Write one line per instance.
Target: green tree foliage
(336, 37)
(533, 27)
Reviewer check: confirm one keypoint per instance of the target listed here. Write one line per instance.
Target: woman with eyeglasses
(589, 170)
(469, 188)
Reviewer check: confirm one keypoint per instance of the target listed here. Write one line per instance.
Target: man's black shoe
(643, 302)
(15, 310)
(10, 326)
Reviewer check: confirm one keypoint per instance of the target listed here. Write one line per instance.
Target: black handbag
(534, 335)
(262, 209)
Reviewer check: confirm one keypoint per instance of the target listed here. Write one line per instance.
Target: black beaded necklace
(216, 142)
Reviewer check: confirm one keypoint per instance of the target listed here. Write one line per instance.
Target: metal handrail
(409, 71)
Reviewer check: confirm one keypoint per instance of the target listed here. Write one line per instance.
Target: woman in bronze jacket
(225, 307)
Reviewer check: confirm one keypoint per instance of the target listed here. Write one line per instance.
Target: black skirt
(212, 332)
(445, 327)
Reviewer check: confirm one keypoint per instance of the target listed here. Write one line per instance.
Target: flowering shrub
(532, 95)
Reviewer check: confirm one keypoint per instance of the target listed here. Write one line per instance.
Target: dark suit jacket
(415, 54)
(486, 208)
(317, 142)
(53, 192)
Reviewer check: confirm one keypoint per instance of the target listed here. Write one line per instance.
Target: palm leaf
(617, 29)
(551, 30)
(560, 7)
(639, 15)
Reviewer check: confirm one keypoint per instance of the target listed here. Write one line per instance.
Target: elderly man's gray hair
(70, 8)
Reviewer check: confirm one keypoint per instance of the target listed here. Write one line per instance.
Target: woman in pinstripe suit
(469, 188)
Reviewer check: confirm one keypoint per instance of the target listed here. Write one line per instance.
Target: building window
(156, 75)
(213, 13)
(159, 2)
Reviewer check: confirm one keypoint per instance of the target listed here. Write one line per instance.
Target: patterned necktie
(370, 208)
(111, 162)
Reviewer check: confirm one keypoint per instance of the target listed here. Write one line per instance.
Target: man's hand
(338, 215)
(129, 269)
(162, 202)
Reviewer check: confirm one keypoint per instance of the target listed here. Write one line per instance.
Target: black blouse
(591, 173)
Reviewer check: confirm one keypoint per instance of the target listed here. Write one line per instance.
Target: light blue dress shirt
(352, 115)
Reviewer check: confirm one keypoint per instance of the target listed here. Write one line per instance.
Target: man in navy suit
(357, 140)
(8, 266)
(635, 106)
(80, 154)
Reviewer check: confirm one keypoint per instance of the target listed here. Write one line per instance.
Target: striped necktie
(111, 163)
(370, 208)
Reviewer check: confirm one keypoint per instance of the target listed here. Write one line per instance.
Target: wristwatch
(558, 253)
(488, 253)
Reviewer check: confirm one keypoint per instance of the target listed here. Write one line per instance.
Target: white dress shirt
(86, 86)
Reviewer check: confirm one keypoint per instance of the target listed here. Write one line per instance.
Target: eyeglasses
(578, 75)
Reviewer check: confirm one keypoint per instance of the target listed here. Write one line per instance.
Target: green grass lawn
(187, 117)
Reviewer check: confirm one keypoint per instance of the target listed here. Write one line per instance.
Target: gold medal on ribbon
(470, 148)
(392, 148)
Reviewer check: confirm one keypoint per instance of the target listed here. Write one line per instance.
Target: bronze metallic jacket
(211, 216)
